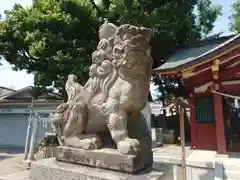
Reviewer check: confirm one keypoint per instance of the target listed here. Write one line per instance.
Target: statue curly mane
(125, 53)
(131, 52)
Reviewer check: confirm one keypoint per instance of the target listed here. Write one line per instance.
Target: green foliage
(50, 140)
(235, 23)
(207, 15)
(174, 22)
(54, 38)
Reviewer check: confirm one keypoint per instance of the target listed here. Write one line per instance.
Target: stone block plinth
(106, 158)
(50, 169)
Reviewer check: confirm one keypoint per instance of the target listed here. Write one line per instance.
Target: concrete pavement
(11, 165)
(21, 175)
(10, 160)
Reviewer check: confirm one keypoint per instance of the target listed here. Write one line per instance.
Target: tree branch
(94, 5)
(26, 55)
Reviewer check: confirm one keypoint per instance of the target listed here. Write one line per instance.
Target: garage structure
(15, 112)
(13, 129)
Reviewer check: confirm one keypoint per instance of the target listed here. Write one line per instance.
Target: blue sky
(8, 77)
(222, 23)
(21, 79)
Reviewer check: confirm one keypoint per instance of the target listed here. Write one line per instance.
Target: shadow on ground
(234, 155)
(2, 157)
(9, 152)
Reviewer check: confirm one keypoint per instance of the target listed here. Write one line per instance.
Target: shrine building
(209, 70)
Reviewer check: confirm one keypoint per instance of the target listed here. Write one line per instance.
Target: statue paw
(86, 142)
(57, 119)
(90, 144)
(62, 138)
(128, 146)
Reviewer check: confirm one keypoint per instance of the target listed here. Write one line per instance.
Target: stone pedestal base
(106, 158)
(50, 169)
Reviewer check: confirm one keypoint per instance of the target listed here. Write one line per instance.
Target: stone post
(175, 172)
(219, 174)
(29, 130)
(34, 137)
(28, 137)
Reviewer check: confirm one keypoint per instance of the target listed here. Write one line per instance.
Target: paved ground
(172, 150)
(172, 154)
(10, 160)
(20, 175)
(12, 166)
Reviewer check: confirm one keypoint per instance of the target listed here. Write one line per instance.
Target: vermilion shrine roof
(197, 53)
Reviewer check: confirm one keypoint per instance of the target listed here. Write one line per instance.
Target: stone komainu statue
(114, 95)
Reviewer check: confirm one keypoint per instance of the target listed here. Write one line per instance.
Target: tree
(51, 39)
(54, 38)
